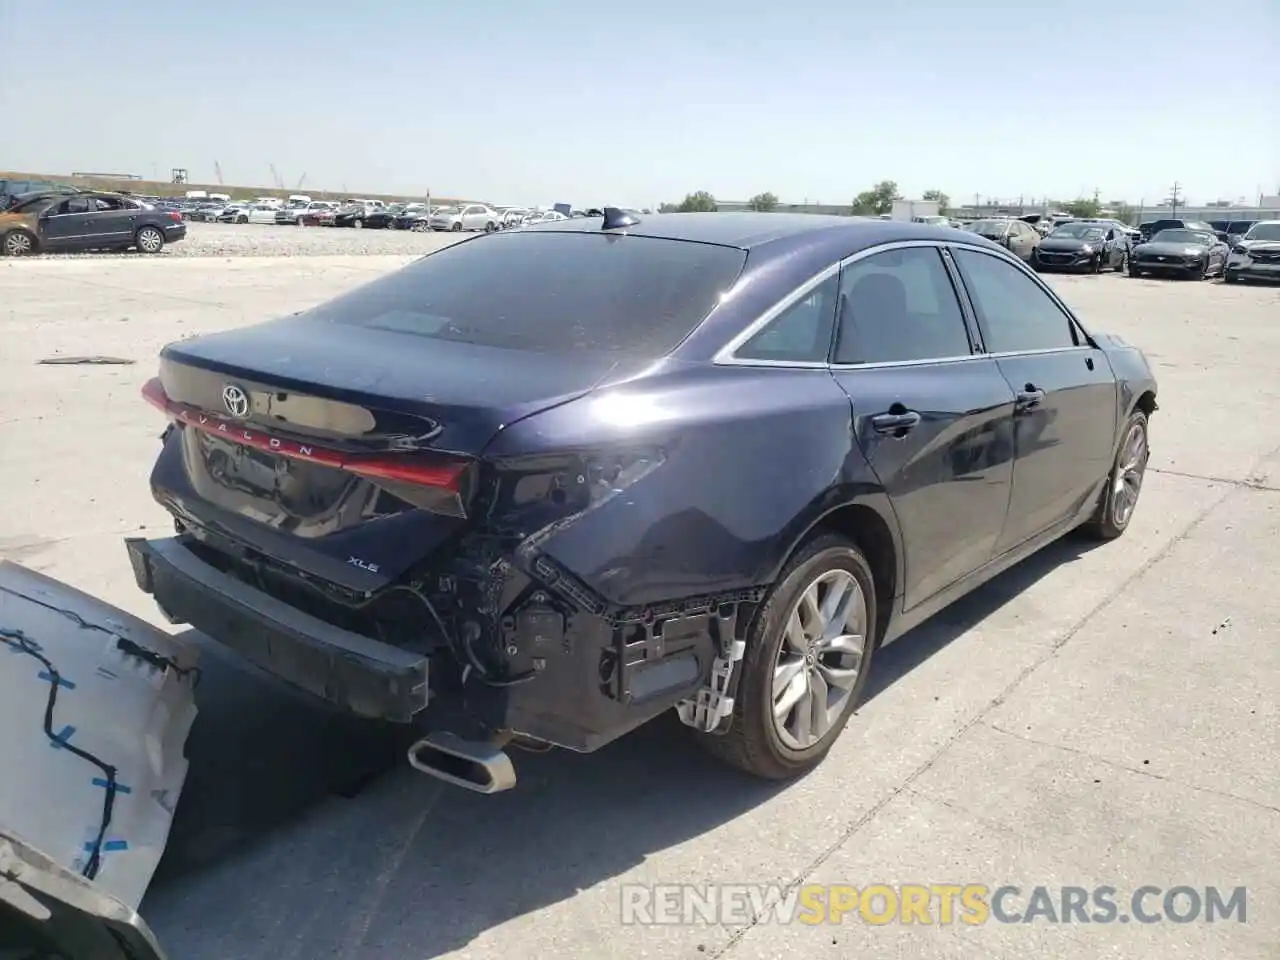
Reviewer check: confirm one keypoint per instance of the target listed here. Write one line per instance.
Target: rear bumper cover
(368, 678)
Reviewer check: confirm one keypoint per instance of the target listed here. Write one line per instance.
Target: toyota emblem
(236, 401)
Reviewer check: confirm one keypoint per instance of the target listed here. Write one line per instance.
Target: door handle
(1028, 398)
(895, 423)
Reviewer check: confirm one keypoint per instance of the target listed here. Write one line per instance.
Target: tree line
(879, 199)
(876, 201)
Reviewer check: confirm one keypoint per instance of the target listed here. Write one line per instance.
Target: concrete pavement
(1100, 715)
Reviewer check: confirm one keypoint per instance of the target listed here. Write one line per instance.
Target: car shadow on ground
(302, 833)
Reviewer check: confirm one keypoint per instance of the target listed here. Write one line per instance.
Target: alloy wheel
(149, 240)
(820, 659)
(1130, 468)
(17, 244)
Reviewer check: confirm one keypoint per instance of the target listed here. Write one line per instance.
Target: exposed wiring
(474, 661)
(19, 642)
(123, 644)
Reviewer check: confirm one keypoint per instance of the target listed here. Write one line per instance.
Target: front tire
(456, 228)
(149, 240)
(1228, 276)
(808, 656)
(1124, 482)
(18, 243)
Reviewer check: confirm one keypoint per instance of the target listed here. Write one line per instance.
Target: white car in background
(545, 216)
(472, 216)
(258, 213)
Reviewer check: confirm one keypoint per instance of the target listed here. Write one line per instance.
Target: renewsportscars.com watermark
(930, 904)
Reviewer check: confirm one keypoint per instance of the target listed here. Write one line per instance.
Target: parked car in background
(389, 218)
(304, 214)
(207, 212)
(1234, 229)
(413, 216)
(62, 223)
(1180, 251)
(514, 216)
(357, 214)
(472, 216)
(526, 524)
(1020, 239)
(544, 216)
(11, 189)
(232, 211)
(1256, 255)
(257, 213)
(1152, 227)
(1083, 245)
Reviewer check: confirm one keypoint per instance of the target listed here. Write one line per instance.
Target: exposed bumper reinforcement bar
(362, 675)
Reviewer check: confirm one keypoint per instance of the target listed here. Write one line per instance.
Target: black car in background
(354, 215)
(1083, 245)
(62, 223)
(1152, 227)
(556, 481)
(1234, 229)
(1256, 255)
(1182, 252)
(11, 189)
(1016, 236)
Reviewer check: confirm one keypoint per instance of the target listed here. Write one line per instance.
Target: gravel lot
(263, 240)
(1098, 715)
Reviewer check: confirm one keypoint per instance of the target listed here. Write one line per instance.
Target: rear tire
(1124, 482)
(1133, 271)
(149, 240)
(800, 666)
(456, 228)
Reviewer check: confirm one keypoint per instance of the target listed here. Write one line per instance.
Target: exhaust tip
(471, 764)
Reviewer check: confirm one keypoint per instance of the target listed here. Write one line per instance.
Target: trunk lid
(346, 453)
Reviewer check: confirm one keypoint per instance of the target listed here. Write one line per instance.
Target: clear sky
(635, 103)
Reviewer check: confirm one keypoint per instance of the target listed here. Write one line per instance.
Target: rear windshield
(550, 293)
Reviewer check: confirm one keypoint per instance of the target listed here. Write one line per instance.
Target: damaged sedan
(541, 486)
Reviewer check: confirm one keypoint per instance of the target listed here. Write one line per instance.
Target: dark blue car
(541, 486)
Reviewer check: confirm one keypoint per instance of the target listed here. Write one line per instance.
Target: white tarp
(95, 708)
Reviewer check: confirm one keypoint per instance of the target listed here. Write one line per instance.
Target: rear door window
(550, 293)
(899, 305)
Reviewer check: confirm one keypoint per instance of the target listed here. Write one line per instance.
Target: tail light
(175, 216)
(440, 473)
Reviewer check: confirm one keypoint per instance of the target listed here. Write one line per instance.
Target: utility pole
(1174, 197)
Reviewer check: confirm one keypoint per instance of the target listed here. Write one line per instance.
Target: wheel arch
(866, 518)
(36, 245)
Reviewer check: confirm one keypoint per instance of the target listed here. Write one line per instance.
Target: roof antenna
(615, 218)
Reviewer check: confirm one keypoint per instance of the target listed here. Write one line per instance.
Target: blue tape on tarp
(108, 846)
(120, 787)
(48, 677)
(62, 737)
